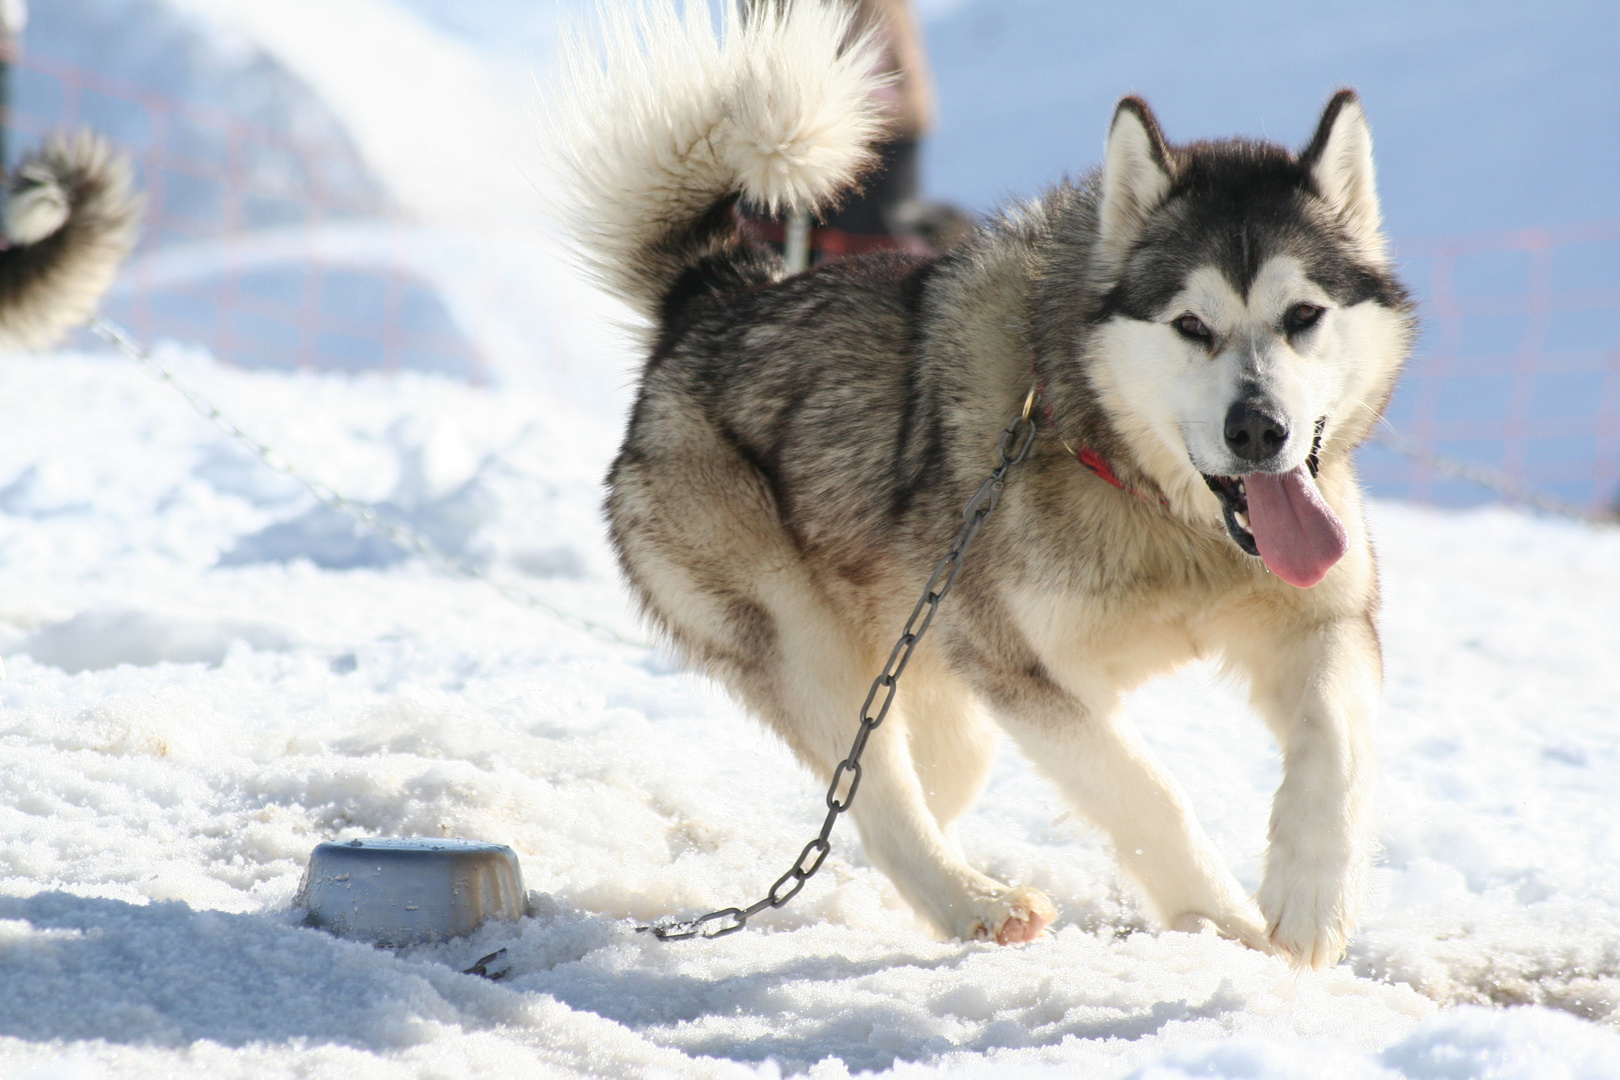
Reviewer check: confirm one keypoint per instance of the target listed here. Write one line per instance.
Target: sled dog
(1209, 329)
(70, 219)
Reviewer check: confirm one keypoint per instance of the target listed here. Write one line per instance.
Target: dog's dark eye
(1192, 328)
(1301, 317)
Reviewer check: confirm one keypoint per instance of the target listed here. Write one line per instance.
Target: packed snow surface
(189, 711)
(210, 673)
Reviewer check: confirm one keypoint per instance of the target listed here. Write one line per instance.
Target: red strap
(1094, 461)
(1040, 396)
(1086, 455)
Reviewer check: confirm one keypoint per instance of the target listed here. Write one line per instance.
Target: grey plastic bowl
(410, 891)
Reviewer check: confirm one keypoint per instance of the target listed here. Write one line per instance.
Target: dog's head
(1245, 324)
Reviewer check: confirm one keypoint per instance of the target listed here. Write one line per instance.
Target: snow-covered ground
(209, 675)
(188, 714)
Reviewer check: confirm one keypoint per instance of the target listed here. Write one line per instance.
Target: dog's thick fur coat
(70, 219)
(1218, 322)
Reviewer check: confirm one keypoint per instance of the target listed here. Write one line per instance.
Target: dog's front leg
(1318, 690)
(1117, 782)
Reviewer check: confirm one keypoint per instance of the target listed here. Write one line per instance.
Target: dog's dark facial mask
(1208, 253)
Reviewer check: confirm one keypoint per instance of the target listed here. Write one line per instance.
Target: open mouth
(1288, 526)
(1234, 496)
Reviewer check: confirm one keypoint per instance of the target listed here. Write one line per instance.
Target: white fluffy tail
(657, 128)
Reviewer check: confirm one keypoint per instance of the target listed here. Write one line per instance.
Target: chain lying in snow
(364, 516)
(1014, 447)
(1502, 484)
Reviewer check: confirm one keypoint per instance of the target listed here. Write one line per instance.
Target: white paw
(1011, 917)
(1242, 927)
(1308, 923)
(37, 206)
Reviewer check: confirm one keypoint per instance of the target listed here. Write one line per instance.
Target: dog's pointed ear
(1136, 174)
(1339, 160)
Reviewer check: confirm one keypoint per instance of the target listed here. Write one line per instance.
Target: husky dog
(1209, 330)
(70, 219)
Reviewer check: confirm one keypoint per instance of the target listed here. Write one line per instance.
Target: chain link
(1492, 480)
(363, 516)
(1014, 447)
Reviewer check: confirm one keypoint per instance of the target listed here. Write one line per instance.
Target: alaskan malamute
(1211, 329)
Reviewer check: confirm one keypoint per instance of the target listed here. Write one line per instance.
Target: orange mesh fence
(276, 249)
(1517, 368)
(273, 249)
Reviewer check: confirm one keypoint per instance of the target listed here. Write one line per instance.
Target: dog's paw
(37, 206)
(1242, 928)
(1308, 927)
(1013, 917)
(1314, 947)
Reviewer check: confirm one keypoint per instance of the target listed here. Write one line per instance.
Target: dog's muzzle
(1291, 528)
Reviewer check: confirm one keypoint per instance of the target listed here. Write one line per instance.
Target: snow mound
(1525, 1044)
(105, 638)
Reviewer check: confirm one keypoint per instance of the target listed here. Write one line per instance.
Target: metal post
(13, 17)
(7, 44)
(796, 241)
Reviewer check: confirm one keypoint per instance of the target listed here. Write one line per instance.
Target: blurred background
(350, 185)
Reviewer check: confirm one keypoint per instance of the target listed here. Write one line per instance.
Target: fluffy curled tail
(656, 132)
(70, 220)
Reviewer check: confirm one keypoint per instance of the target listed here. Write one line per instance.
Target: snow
(97, 639)
(180, 729)
(209, 674)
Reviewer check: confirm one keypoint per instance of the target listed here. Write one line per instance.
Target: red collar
(1088, 457)
(1094, 461)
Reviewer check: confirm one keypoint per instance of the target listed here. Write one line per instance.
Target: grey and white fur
(1218, 322)
(71, 218)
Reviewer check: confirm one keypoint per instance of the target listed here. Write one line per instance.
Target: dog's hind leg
(905, 805)
(1114, 779)
(811, 692)
(698, 533)
(821, 680)
(953, 744)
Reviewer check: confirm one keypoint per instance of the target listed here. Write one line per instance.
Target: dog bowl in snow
(410, 891)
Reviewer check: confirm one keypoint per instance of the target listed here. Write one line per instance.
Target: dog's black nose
(1252, 433)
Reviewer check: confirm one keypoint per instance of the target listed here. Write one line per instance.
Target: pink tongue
(1299, 537)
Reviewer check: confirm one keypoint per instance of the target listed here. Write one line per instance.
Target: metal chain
(363, 516)
(1014, 447)
(1492, 480)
